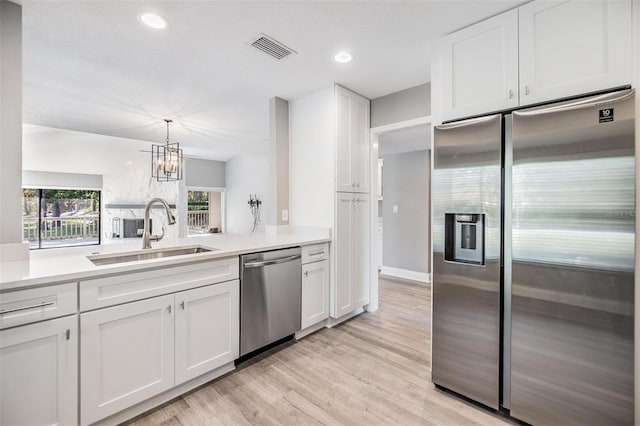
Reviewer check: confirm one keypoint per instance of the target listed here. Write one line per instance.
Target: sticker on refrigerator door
(606, 115)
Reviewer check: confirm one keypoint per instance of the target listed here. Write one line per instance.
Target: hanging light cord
(168, 121)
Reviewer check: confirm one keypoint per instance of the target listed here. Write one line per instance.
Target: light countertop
(51, 266)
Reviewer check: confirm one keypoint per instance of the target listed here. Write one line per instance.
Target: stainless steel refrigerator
(533, 241)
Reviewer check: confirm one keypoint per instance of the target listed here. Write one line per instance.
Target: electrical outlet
(395, 208)
(285, 215)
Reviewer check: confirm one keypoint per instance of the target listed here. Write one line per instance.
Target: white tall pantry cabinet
(330, 186)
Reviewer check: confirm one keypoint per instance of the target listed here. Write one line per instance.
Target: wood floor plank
(372, 369)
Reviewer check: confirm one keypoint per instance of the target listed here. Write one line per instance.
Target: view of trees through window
(60, 217)
(204, 212)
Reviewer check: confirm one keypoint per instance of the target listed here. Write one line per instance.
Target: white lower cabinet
(126, 355)
(207, 329)
(351, 287)
(342, 291)
(39, 373)
(134, 351)
(315, 293)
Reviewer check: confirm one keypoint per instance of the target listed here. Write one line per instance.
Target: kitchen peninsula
(115, 340)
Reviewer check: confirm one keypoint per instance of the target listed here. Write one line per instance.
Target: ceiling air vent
(271, 47)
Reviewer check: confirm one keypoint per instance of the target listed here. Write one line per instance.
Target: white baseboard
(406, 274)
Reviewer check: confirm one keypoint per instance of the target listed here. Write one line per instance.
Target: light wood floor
(373, 369)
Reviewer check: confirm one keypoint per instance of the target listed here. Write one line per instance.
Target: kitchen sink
(109, 259)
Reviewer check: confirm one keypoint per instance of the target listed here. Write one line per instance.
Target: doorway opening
(401, 218)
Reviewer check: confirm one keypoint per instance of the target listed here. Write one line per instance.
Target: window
(204, 211)
(60, 217)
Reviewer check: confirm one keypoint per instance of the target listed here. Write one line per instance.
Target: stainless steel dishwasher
(270, 297)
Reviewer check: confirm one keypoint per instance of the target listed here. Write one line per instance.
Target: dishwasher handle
(271, 262)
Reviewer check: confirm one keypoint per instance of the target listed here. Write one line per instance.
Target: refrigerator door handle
(468, 122)
(601, 100)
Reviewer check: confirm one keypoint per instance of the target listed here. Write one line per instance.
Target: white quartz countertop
(52, 266)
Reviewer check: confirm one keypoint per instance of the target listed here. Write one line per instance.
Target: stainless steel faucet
(147, 237)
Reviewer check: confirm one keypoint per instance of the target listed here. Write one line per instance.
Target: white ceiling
(90, 66)
(409, 139)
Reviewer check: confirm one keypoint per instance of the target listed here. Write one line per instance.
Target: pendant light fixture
(166, 160)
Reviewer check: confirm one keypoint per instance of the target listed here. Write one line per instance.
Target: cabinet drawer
(315, 253)
(27, 306)
(118, 289)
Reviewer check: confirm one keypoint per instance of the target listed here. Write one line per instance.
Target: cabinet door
(361, 256)
(345, 180)
(360, 147)
(126, 355)
(315, 293)
(207, 329)
(39, 373)
(480, 67)
(341, 294)
(573, 47)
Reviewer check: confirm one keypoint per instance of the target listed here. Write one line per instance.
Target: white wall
(205, 173)
(246, 174)
(10, 123)
(414, 102)
(406, 184)
(279, 161)
(58, 180)
(311, 160)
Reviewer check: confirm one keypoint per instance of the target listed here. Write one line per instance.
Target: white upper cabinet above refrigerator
(539, 52)
(573, 47)
(480, 67)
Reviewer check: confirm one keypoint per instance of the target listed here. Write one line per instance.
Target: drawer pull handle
(169, 308)
(68, 334)
(316, 253)
(39, 305)
(182, 305)
(306, 273)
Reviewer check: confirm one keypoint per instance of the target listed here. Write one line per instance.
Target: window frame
(40, 192)
(223, 205)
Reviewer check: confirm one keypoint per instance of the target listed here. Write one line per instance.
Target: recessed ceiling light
(152, 20)
(343, 57)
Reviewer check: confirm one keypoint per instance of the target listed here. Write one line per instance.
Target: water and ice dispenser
(464, 238)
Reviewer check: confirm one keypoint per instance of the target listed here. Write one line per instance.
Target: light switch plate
(395, 208)
(285, 215)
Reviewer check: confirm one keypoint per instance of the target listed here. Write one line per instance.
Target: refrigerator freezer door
(573, 262)
(466, 295)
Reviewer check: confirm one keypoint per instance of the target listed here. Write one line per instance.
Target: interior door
(572, 331)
